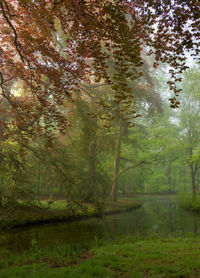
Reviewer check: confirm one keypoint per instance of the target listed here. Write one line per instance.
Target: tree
(94, 31)
(144, 92)
(189, 127)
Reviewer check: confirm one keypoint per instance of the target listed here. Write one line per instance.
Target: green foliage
(9, 197)
(79, 165)
(13, 181)
(187, 201)
(76, 207)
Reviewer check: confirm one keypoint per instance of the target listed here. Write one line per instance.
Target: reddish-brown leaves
(52, 62)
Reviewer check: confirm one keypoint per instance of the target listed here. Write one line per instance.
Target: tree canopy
(54, 46)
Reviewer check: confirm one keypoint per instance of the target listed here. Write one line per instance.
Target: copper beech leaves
(54, 45)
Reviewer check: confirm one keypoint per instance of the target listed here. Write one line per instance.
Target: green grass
(27, 215)
(172, 257)
(58, 204)
(121, 204)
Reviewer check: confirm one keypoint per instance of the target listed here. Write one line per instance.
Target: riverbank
(189, 203)
(191, 206)
(58, 212)
(169, 257)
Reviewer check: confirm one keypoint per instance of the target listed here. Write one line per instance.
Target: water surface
(157, 216)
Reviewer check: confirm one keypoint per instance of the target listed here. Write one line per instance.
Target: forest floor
(169, 257)
(31, 215)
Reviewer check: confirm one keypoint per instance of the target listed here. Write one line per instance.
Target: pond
(158, 215)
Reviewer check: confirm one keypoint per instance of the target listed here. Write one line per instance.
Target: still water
(157, 216)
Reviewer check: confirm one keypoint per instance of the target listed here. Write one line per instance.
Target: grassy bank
(58, 212)
(150, 258)
(192, 205)
(189, 203)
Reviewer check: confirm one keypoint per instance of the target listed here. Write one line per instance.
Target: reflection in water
(156, 216)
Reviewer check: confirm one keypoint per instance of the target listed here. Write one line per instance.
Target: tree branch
(129, 167)
(97, 85)
(126, 159)
(178, 139)
(85, 91)
(23, 58)
(8, 10)
(14, 31)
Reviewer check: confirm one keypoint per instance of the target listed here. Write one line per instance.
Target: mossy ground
(29, 215)
(172, 257)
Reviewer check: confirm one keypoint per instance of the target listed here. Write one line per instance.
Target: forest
(99, 138)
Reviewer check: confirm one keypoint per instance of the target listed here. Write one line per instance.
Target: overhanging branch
(23, 58)
(128, 168)
(13, 28)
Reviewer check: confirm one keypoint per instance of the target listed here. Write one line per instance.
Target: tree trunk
(169, 177)
(165, 166)
(38, 181)
(123, 189)
(48, 190)
(92, 169)
(192, 173)
(116, 165)
(197, 184)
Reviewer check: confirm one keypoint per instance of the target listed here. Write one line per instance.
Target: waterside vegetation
(164, 257)
(190, 203)
(60, 211)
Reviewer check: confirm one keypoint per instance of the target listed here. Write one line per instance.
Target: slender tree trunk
(92, 168)
(197, 184)
(169, 179)
(116, 165)
(48, 191)
(192, 173)
(123, 189)
(38, 181)
(165, 165)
